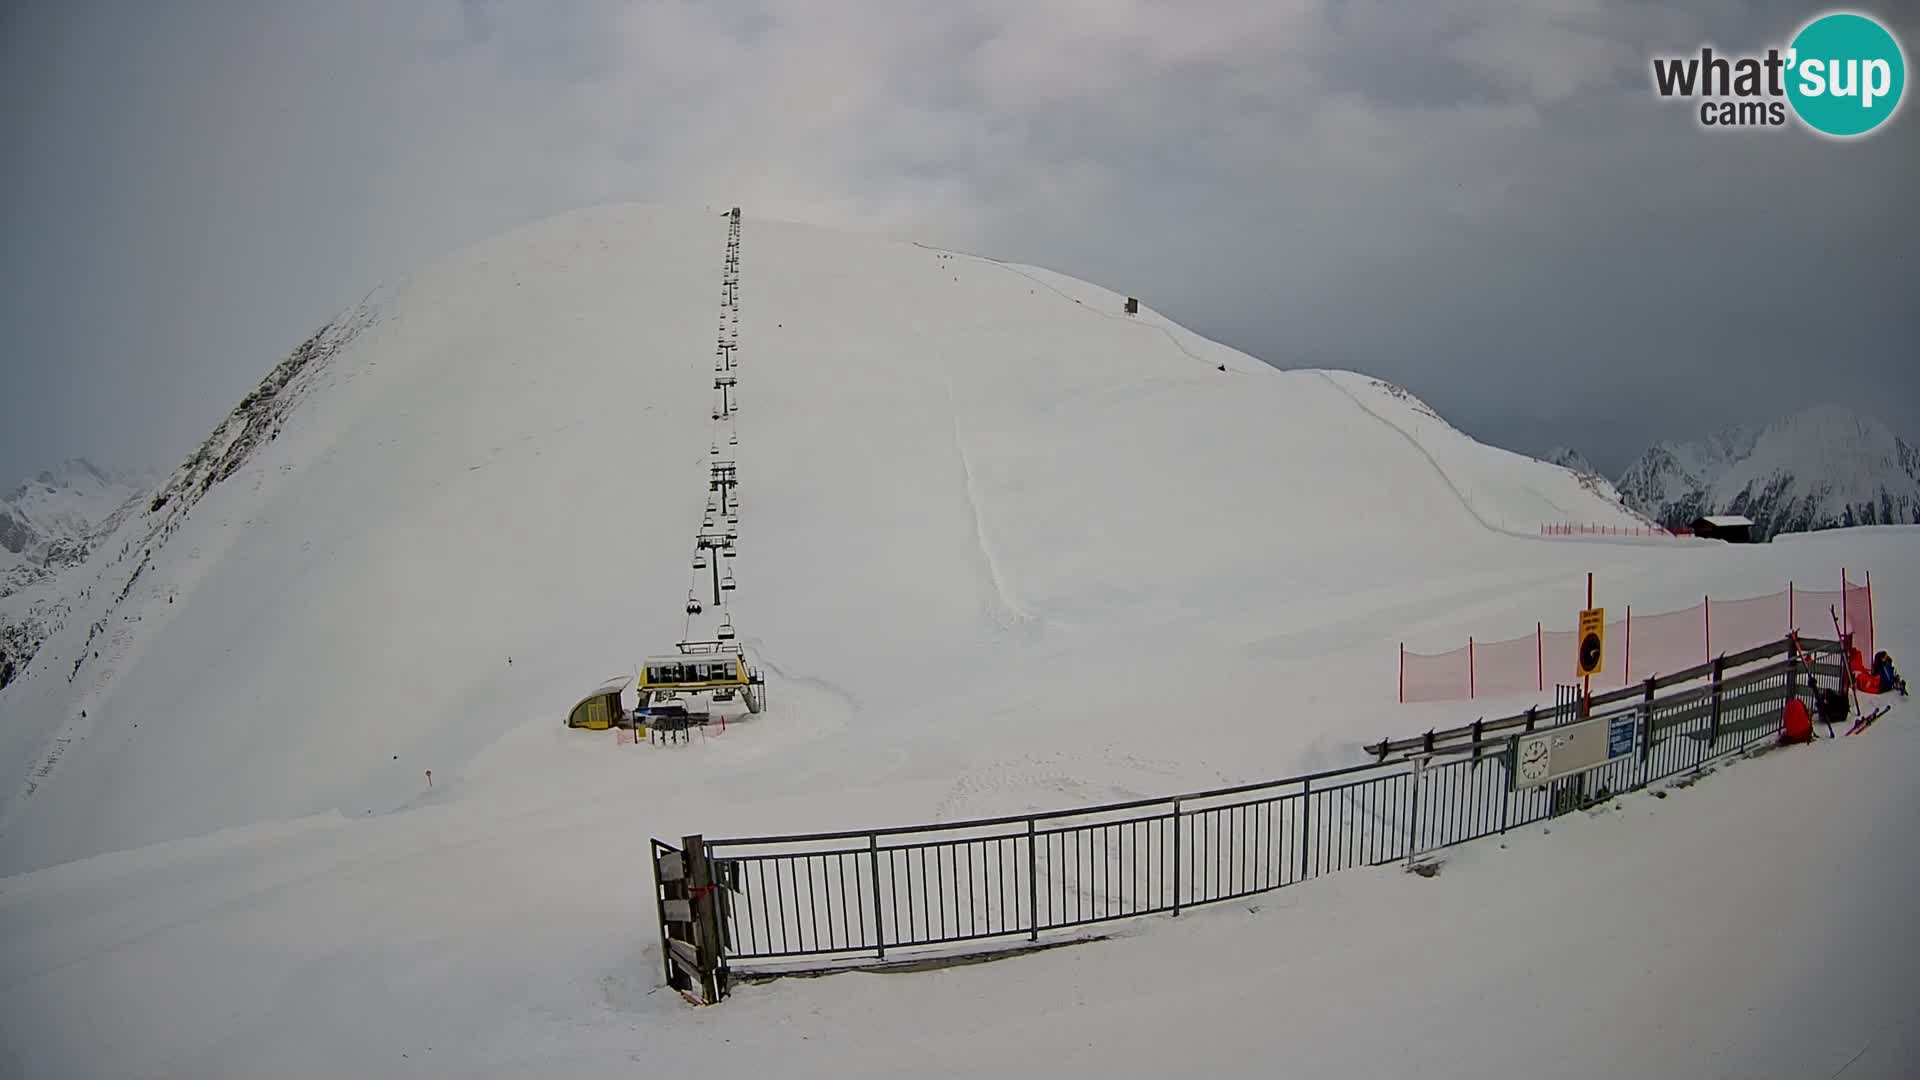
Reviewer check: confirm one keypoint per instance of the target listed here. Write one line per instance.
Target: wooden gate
(692, 930)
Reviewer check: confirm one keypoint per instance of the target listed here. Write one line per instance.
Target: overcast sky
(1481, 199)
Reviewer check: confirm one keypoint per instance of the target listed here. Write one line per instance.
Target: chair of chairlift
(733, 440)
(699, 560)
(693, 604)
(727, 582)
(725, 632)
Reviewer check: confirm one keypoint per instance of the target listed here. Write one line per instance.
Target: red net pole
(1870, 636)
(1627, 676)
(1792, 619)
(1470, 686)
(1706, 609)
(1539, 656)
(1403, 673)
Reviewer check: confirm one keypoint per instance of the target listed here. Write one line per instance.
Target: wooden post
(1646, 739)
(1793, 672)
(1713, 731)
(706, 923)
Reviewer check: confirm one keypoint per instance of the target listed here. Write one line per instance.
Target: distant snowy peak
(43, 518)
(1572, 459)
(1824, 467)
(49, 525)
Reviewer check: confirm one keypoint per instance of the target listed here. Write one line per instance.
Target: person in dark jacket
(1889, 678)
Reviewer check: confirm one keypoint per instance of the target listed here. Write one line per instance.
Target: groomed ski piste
(1002, 548)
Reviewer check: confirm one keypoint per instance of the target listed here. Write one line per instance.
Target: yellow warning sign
(1593, 641)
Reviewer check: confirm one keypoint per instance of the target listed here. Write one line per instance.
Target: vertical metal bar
(813, 904)
(973, 894)
(1033, 886)
(846, 921)
(1306, 824)
(897, 856)
(939, 892)
(1176, 858)
(780, 904)
(1413, 810)
(1106, 869)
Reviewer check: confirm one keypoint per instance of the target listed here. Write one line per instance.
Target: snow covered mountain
(1824, 467)
(289, 789)
(944, 460)
(48, 526)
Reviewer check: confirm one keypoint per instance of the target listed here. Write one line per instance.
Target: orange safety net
(1638, 646)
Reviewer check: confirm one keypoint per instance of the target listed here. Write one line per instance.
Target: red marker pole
(429, 777)
(1870, 640)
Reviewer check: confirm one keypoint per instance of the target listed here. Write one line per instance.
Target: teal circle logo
(1846, 74)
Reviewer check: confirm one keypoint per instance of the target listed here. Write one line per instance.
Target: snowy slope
(955, 474)
(1824, 467)
(1002, 547)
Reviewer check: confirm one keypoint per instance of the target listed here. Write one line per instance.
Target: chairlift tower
(715, 542)
(722, 477)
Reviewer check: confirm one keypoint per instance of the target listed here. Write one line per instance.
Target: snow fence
(1638, 646)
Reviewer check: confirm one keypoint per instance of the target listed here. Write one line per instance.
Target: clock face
(1533, 760)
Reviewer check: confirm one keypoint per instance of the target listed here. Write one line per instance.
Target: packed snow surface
(1002, 547)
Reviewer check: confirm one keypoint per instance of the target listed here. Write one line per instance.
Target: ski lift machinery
(720, 668)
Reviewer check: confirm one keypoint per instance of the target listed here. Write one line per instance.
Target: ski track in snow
(1005, 610)
(1440, 471)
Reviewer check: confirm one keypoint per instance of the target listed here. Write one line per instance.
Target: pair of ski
(1867, 720)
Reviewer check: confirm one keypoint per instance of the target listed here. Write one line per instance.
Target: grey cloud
(1482, 200)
